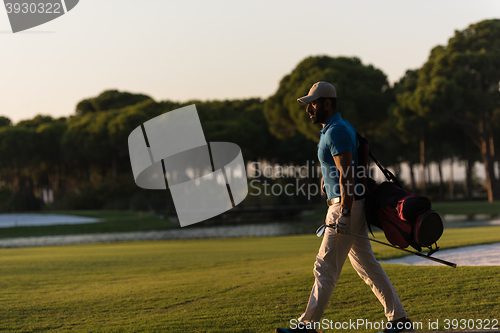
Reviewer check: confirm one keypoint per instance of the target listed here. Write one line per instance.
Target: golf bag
(405, 218)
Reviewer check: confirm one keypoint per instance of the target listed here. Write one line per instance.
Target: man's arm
(323, 188)
(343, 161)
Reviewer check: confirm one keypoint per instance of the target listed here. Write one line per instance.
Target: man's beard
(319, 116)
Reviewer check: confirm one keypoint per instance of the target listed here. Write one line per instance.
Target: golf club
(322, 228)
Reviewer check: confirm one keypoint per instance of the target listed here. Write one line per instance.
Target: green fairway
(467, 207)
(221, 285)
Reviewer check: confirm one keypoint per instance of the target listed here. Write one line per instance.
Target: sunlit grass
(220, 285)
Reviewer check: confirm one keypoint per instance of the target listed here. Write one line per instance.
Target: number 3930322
(471, 324)
(34, 7)
(26, 14)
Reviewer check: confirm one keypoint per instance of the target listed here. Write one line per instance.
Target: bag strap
(389, 175)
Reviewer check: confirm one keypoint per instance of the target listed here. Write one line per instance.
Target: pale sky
(180, 50)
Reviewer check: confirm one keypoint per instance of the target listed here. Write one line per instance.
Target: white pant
(331, 257)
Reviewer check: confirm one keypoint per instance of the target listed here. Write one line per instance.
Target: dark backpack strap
(362, 141)
(363, 153)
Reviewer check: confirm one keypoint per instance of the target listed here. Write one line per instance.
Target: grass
(467, 207)
(221, 285)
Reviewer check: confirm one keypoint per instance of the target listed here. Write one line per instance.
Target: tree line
(448, 108)
(84, 160)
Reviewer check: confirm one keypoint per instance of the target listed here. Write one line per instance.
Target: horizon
(212, 51)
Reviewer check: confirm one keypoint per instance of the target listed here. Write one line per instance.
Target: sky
(228, 49)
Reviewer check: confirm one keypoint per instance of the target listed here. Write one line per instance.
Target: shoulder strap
(363, 153)
(367, 152)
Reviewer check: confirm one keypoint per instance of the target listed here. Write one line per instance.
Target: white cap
(319, 89)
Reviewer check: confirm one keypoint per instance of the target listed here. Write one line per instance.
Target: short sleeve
(339, 140)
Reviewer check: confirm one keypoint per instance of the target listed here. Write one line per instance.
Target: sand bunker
(25, 220)
(478, 255)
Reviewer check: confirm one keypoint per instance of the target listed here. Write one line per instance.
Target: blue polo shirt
(338, 136)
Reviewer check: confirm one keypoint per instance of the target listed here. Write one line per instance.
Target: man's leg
(369, 269)
(329, 262)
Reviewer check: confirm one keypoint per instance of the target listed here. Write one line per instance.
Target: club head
(321, 230)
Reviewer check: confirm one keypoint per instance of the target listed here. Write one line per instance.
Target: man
(337, 152)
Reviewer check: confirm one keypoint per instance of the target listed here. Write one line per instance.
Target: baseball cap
(319, 89)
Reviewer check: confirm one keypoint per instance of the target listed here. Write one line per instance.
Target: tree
(50, 165)
(18, 149)
(109, 100)
(424, 130)
(86, 144)
(239, 121)
(408, 124)
(461, 82)
(121, 125)
(4, 121)
(360, 90)
(35, 122)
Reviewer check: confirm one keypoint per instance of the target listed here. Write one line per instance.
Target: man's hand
(343, 225)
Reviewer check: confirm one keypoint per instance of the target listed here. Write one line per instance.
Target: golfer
(337, 154)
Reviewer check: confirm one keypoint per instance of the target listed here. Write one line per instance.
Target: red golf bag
(404, 217)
